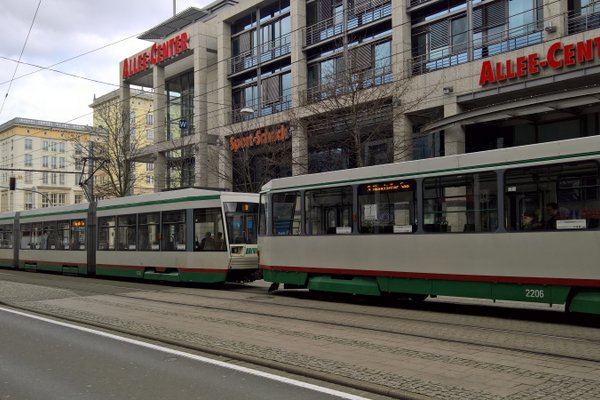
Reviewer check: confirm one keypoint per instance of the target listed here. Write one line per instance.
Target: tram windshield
(242, 221)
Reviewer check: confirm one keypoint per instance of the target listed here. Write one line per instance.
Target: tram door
(335, 217)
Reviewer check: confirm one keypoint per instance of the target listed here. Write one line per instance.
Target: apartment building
(45, 161)
(248, 91)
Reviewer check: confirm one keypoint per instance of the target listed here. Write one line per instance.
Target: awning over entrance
(519, 108)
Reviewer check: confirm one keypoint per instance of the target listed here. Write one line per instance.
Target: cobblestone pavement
(406, 357)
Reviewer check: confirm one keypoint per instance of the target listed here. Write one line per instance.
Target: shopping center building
(248, 91)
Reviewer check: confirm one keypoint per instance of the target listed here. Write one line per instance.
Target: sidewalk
(401, 366)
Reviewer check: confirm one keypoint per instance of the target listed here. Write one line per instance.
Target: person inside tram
(552, 215)
(219, 242)
(529, 221)
(207, 243)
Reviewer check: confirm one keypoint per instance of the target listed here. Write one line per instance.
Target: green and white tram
(190, 235)
(519, 223)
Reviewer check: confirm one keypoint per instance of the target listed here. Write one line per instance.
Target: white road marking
(206, 360)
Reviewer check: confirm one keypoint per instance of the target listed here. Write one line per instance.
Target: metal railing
(282, 103)
(587, 19)
(486, 46)
(360, 15)
(348, 82)
(262, 53)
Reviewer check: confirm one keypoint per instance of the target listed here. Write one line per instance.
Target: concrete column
(200, 108)
(224, 99)
(299, 150)
(299, 86)
(555, 14)
(403, 138)
(454, 136)
(401, 69)
(160, 126)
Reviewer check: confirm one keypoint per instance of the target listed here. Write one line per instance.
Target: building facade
(247, 92)
(139, 121)
(45, 161)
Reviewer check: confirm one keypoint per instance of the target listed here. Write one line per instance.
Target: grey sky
(65, 29)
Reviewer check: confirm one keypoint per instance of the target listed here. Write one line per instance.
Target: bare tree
(354, 104)
(116, 141)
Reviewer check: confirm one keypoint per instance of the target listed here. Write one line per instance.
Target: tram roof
(485, 160)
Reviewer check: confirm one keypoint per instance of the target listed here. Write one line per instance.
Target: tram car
(189, 235)
(519, 224)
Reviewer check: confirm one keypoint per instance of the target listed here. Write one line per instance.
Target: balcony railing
(362, 14)
(260, 54)
(587, 19)
(488, 45)
(348, 82)
(283, 103)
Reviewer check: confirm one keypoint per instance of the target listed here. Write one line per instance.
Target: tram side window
(208, 230)
(78, 234)
(62, 235)
(287, 214)
(553, 197)
(126, 232)
(36, 236)
(26, 236)
(149, 231)
(49, 236)
(387, 207)
(6, 236)
(329, 211)
(173, 230)
(106, 233)
(460, 203)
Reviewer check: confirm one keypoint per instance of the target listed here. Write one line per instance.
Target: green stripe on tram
(158, 202)
(375, 286)
(151, 275)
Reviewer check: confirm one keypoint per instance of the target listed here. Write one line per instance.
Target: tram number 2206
(534, 293)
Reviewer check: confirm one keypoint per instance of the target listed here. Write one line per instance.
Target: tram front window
(242, 221)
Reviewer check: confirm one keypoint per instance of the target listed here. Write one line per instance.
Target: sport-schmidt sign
(259, 138)
(158, 53)
(559, 55)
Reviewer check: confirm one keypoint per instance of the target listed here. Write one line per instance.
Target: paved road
(42, 360)
(433, 350)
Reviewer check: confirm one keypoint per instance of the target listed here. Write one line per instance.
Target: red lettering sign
(158, 53)
(259, 138)
(558, 56)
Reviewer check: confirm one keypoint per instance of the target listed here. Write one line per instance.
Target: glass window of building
(387, 207)
(460, 203)
(28, 144)
(149, 231)
(29, 201)
(328, 211)
(287, 213)
(209, 234)
(173, 231)
(28, 160)
(180, 105)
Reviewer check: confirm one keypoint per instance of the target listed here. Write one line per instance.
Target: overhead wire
(20, 55)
